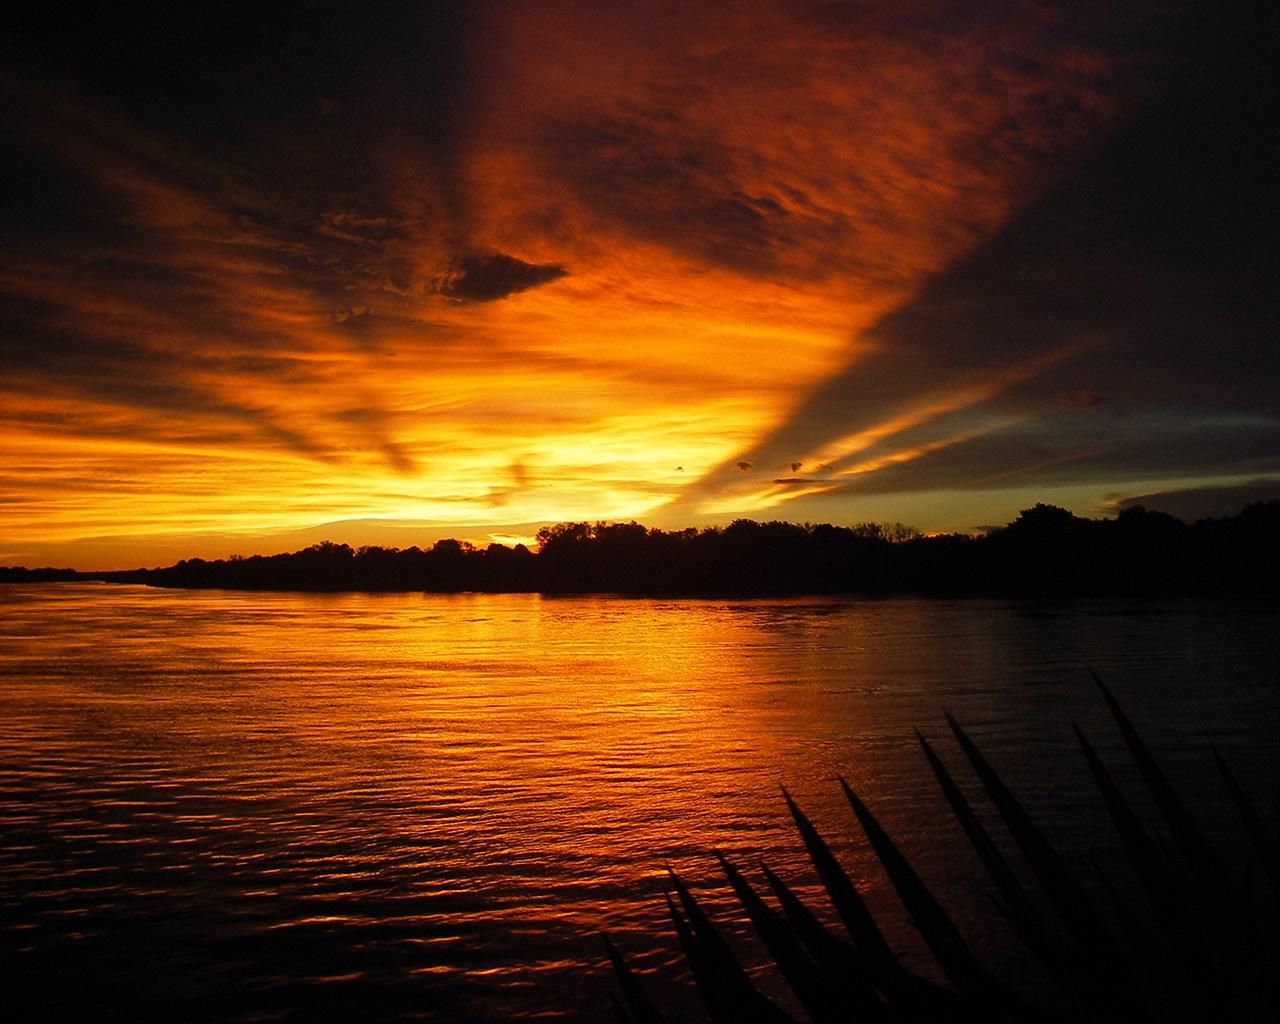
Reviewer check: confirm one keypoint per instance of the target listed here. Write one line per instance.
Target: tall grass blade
(722, 972)
(641, 1009)
(866, 935)
(933, 922)
(719, 1006)
(841, 967)
(810, 931)
(717, 951)
(1060, 885)
(1094, 969)
(1221, 969)
(1014, 903)
(795, 964)
(1170, 905)
(1264, 846)
(620, 1015)
(1205, 867)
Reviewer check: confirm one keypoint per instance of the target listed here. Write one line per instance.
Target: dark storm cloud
(678, 163)
(666, 182)
(1147, 277)
(1071, 447)
(272, 115)
(489, 276)
(1196, 503)
(255, 80)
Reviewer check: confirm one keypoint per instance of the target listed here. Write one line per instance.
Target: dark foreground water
(294, 807)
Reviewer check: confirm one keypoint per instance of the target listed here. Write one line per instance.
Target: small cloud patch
(489, 276)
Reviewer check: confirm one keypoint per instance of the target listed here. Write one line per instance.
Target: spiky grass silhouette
(1202, 951)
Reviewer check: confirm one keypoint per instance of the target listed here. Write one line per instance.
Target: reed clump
(1202, 949)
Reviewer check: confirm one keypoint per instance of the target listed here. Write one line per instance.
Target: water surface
(279, 806)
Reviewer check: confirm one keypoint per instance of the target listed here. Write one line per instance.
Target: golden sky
(468, 269)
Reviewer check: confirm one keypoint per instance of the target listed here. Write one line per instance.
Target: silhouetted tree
(1045, 551)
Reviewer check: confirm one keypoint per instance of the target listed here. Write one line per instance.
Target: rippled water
(280, 806)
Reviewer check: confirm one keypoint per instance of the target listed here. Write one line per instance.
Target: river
(247, 806)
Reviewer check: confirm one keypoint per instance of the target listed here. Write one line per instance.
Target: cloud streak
(1115, 326)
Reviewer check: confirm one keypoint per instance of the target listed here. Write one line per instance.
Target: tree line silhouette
(1046, 551)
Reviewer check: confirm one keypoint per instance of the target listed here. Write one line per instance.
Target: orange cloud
(642, 239)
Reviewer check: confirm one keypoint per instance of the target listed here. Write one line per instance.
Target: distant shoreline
(1045, 552)
(1266, 597)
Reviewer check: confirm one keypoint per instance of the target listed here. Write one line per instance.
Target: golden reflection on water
(433, 804)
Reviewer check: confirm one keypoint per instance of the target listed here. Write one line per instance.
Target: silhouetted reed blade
(1199, 950)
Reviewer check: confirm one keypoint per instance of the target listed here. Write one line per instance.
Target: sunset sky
(273, 274)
